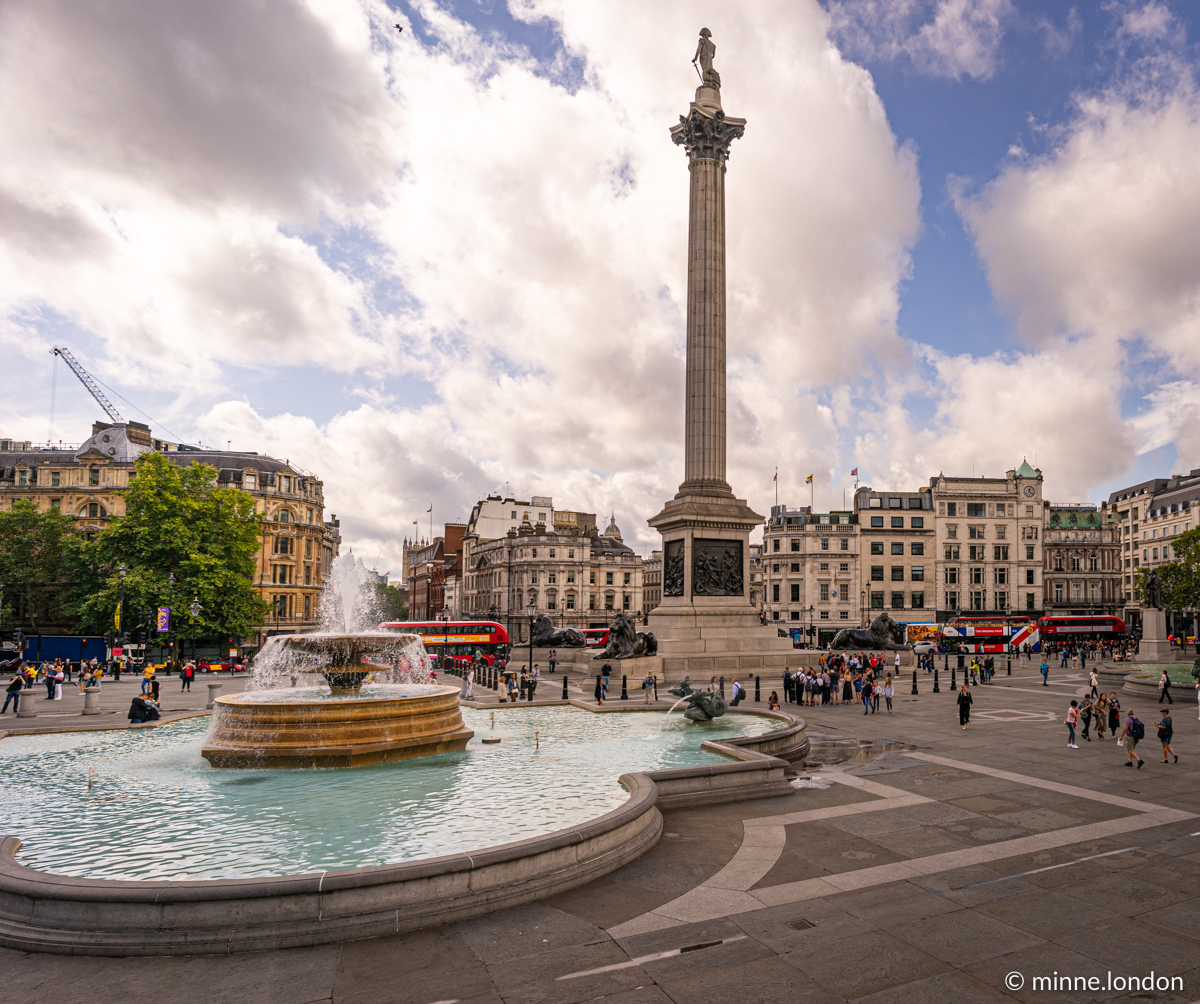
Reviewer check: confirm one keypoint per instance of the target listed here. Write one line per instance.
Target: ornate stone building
(1148, 516)
(90, 481)
(898, 543)
(577, 579)
(989, 543)
(811, 575)
(1082, 548)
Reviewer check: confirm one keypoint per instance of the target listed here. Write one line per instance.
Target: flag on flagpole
(776, 478)
(117, 618)
(854, 473)
(808, 480)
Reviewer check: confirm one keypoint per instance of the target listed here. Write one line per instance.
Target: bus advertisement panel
(1068, 629)
(914, 633)
(988, 633)
(457, 640)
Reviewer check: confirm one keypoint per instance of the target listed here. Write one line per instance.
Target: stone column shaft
(704, 414)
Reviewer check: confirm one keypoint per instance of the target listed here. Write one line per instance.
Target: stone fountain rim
(234, 700)
(47, 912)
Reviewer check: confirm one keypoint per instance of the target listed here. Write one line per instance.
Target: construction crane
(85, 378)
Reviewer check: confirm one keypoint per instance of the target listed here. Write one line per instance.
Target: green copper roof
(1025, 471)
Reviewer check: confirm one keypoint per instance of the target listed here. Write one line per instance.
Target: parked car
(228, 666)
(924, 647)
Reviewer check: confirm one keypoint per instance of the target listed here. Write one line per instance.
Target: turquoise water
(157, 810)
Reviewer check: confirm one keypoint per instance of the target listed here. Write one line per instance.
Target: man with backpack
(1133, 732)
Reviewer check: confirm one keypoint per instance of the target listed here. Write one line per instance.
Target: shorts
(1130, 743)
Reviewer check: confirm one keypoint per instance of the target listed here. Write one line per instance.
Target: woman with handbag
(964, 706)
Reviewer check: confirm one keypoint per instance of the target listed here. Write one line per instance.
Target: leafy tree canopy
(40, 555)
(179, 522)
(1181, 577)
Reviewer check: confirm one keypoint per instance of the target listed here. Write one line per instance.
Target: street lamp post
(532, 616)
(171, 619)
(194, 610)
(811, 633)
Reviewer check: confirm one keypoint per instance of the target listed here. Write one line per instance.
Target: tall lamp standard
(811, 633)
(194, 610)
(171, 618)
(532, 616)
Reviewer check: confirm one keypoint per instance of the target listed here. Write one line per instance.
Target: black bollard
(1010, 665)
(914, 690)
(936, 688)
(953, 683)
(946, 667)
(722, 686)
(624, 688)
(757, 690)
(564, 696)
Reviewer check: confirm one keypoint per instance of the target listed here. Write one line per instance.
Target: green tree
(1181, 577)
(178, 522)
(40, 560)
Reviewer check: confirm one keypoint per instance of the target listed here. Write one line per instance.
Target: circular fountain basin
(314, 727)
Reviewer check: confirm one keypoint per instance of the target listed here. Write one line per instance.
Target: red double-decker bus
(1081, 627)
(988, 633)
(457, 640)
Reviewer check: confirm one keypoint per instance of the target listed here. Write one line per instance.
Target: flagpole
(777, 486)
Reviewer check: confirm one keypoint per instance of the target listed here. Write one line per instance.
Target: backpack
(1139, 730)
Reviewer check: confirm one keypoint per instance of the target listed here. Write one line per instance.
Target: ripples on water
(157, 810)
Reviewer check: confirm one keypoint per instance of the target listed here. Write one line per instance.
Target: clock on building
(1029, 491)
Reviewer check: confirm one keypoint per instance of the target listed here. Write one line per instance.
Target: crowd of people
(841, 679)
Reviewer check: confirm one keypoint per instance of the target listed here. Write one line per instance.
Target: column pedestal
(1154, 646)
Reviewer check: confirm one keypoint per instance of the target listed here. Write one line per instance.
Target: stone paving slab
(1018, 856)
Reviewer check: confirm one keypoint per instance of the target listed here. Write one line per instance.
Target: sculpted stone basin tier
(308, 727)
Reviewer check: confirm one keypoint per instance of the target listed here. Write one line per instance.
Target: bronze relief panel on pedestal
(673, 568)
(717, 568)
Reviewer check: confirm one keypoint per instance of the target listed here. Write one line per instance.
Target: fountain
(345, 726)
(349, 722)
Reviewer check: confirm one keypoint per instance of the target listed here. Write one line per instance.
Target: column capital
(706, 133)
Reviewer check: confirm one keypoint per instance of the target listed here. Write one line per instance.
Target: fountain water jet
(347, 725)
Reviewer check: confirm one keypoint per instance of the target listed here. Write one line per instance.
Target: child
(1072, 718)
(773, 702)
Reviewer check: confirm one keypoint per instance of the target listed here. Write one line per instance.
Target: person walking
(12, 693)
(1114, 713)
(1131, 734)
(1086, 710)
(735, 694)
(188, 672)
(848, 688)
(599, 693)
(1198, 700)
(647, 687)
(553, 660)
(470, 681)
(1072, 719)
(865, 695)
(605, 673)
(1165, 731)
(964, 706)
(146, 674)
(889, 692)
(533, 680)
(1164, 681)
(512, 688)
(1094, 683)
(1045, 672)
(58, 676)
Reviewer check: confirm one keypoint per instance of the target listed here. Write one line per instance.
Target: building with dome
(563, 568)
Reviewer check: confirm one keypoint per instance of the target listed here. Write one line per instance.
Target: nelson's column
(705, 529)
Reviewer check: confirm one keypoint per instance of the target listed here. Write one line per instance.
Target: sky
(435, 264)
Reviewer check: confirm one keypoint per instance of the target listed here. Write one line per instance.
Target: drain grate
(801, 925)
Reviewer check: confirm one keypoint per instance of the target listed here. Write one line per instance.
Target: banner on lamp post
(164, 620)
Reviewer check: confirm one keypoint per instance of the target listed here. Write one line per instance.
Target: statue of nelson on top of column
(705, 50)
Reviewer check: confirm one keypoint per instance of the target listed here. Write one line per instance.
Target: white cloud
(1172, 417)
(1102, 235)
(950, 38)
(226, 186)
